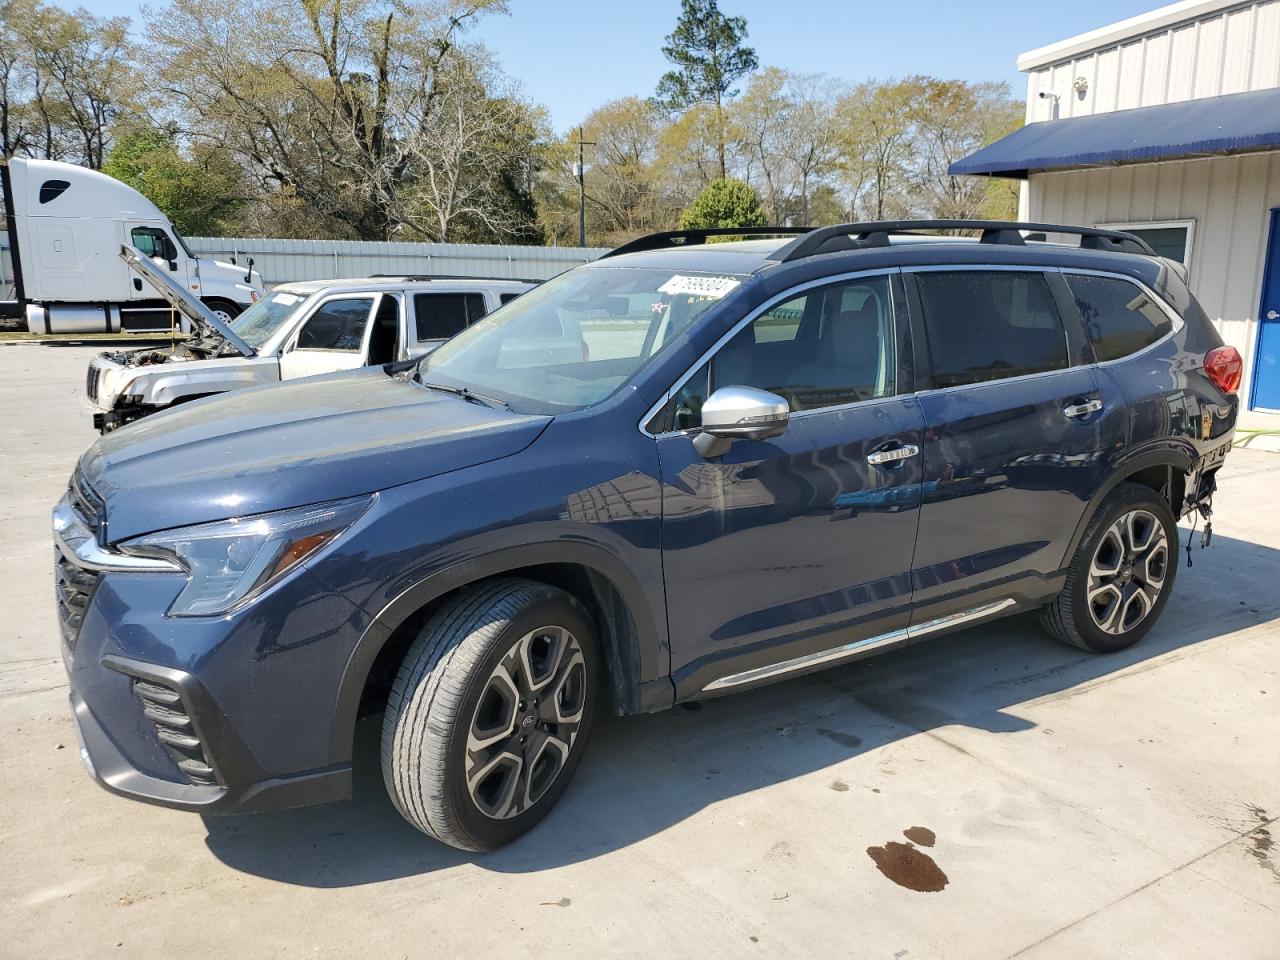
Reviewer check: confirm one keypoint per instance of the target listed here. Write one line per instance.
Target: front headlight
(232, 561)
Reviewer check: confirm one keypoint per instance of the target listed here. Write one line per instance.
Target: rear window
(990, 325)
(1120, 318)
(438, 316)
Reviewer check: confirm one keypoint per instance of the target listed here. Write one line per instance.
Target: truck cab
(298, 330)
(66, 225)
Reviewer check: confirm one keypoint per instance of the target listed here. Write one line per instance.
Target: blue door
(785, 548)
(1266, 364)
(1016, 432)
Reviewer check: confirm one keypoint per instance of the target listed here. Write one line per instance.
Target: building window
(1169, 238)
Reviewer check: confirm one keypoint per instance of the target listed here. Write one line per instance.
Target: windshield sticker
(713, 288)
(288, 299)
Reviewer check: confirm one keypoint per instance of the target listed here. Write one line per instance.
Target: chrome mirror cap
(740, 413)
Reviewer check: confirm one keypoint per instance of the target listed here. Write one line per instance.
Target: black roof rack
(444, 276)
(689, 238)
(876, 233)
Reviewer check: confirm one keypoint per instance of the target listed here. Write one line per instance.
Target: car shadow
(643, 774)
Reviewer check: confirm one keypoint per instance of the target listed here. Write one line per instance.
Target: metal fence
(280, 261)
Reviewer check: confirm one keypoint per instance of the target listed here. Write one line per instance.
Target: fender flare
(641, 669)
(1166, 453)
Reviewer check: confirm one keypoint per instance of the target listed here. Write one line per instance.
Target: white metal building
(1168, 125)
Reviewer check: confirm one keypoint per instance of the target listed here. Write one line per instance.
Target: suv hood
(323, 438)
(203, 320)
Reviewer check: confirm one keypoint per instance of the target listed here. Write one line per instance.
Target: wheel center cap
(528, 721)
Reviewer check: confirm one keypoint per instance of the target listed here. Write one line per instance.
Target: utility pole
(580, 170)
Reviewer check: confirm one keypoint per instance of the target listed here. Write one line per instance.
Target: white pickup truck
(297, 330)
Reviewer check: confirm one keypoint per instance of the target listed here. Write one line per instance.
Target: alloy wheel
(1127, 573)
(526, 722)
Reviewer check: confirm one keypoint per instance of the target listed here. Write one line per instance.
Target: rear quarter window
(1120, 318)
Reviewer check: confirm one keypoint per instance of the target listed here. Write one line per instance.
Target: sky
(571, 56)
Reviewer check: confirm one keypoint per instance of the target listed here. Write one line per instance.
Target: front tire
(1121, 576)
(490, 712)
(225, 309)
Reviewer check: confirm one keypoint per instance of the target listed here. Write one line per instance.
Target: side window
(988, 325)
(337, 325)
(438, 316)
(1119, 317)
(154, 242)
(506, 298)
(831, 346)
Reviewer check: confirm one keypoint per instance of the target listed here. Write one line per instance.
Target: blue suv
(686, 469)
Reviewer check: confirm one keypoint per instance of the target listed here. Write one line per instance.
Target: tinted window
(832, 346)
(438, 316)
(52, 190)
(989, 325)
(1119, 317)
(507, 297)
(337, 325)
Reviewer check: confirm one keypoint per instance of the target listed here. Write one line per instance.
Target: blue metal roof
(1235, 123)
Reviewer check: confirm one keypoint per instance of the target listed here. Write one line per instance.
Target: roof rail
(876, 233)
(444, 276)
(688, 238)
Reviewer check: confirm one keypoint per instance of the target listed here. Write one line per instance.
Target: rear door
(798, 547)
(437, 316)
(1017, 427)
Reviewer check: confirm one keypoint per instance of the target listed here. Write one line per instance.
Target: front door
(153, 239)
(1266, 364)
(783, 551)
(1017, 425)
(333, 338)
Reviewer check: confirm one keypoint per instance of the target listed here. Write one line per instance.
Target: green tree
(200, 195)
(708, 52)
(724, 203)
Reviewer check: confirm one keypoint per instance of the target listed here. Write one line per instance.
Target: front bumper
(253, 793)
(213, 715)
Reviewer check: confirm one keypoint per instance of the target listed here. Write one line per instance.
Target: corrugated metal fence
(280, 261)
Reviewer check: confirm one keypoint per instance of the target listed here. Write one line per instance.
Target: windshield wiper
(469, 395)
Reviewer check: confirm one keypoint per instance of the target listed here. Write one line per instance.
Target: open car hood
(204, 320)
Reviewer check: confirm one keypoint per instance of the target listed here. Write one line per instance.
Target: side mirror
(740, 413)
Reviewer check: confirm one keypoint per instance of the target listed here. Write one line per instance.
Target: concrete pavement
(1042, 802)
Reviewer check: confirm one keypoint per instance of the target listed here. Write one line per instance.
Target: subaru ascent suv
(761, 457)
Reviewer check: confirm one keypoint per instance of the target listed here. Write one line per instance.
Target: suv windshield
(256, 325)
(571, 342)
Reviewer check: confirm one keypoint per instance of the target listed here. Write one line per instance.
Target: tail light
(1224, 366)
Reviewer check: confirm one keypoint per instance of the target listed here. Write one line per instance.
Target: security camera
(1045, 95)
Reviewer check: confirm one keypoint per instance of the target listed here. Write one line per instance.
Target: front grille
(163, 706)
(86, 503)
(74, 586)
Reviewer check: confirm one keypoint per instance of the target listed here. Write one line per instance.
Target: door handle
(893, 455)
(1077, 410)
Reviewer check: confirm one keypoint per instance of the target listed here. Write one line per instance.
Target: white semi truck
(66, 225)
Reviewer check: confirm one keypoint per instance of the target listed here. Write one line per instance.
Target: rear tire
(490, 712)
(1121, 575)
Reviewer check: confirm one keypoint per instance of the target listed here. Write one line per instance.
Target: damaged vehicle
(297, 330)
(779, 454)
